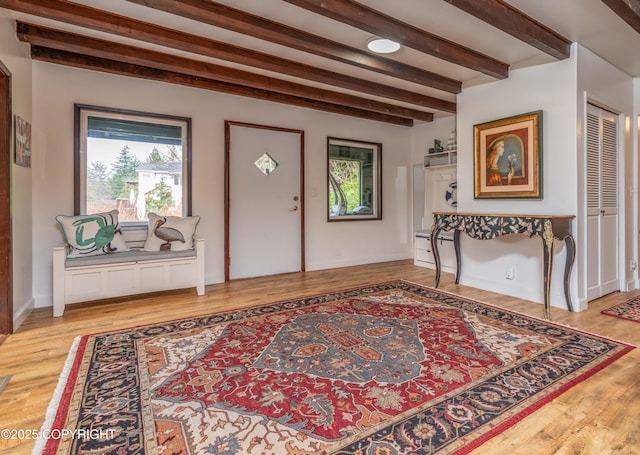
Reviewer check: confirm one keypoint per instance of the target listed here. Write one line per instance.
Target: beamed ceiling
(312, 53)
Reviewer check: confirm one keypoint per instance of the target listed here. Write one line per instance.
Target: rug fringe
(50, 415)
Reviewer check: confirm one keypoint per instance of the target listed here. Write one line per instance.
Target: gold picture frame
(508, 158)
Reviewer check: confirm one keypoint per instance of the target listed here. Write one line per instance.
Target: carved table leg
(456, 247)
(571, 255)
(547, 241)
(436, 253)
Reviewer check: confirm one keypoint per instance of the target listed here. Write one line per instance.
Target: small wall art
(22, 142)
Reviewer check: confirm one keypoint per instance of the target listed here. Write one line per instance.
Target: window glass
(134, 162)
(353, 180)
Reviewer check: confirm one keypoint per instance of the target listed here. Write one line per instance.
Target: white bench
(127, 273)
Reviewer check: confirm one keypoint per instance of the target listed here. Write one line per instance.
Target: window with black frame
(354, 180)
(131, 161)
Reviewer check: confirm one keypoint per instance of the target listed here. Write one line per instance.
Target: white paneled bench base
(121, 274)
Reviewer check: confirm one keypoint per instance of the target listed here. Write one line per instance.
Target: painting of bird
(168, 234)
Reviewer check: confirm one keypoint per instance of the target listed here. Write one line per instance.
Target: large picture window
(131, 161)
(354, 175)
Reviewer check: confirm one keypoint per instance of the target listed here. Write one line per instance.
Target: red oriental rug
(629, 310)
(393, 368)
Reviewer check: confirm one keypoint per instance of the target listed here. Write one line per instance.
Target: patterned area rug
(629, 310)
(394, 368)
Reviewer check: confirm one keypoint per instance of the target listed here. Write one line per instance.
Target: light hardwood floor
(598, 416)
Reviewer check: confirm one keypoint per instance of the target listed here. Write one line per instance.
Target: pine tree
(170, 156)
(98, 182)
(124, 170)
(173, 155)
(159, 200)
(155, 157)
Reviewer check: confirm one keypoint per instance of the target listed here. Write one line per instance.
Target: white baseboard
(348, 262)
(23, 312)
(43, 301)
(521, 292)
(632, 285)
(581, 305)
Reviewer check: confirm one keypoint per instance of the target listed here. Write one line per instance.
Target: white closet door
(602, 202)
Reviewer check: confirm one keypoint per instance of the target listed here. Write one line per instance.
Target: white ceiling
(589, 22)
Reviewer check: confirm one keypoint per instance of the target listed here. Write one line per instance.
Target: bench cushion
(128, 256)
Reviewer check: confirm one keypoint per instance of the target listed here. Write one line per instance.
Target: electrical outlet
(510, 273)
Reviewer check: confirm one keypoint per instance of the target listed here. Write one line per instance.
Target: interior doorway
(6, 261)
(603, 244)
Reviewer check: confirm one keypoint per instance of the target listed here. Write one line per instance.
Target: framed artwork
(22, 142)
(508, 158)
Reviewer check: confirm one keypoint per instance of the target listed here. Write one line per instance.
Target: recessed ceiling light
(382, 45)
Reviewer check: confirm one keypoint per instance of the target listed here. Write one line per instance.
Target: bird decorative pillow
(90, 235)
(170, 233)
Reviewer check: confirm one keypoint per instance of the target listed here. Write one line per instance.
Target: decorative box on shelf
(441, 159)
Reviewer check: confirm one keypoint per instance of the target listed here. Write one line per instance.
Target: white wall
(57, 88)
(634, 237)
(559, 90)
(550, 88)
(15, 56)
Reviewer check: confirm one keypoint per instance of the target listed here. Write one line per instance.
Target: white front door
(265, 201)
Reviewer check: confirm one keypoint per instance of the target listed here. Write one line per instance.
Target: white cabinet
(439, 194)
(423, 256)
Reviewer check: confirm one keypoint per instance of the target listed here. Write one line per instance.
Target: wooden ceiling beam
(365, 18)
(130, 28)
(129, 70)
(229, 18)
(510, 20)
(72, 42)
(628, 10)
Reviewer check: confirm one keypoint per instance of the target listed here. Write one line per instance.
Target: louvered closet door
(602, 202)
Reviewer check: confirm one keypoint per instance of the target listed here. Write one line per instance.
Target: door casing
(6, 251)
(228, 124)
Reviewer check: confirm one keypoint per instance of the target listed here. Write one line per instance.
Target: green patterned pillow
(90, 235)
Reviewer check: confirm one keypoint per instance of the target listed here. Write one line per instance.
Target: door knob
(294, 208)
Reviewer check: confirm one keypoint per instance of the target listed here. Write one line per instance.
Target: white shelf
(447, 158)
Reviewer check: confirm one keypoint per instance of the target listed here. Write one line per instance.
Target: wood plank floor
(598, 416)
